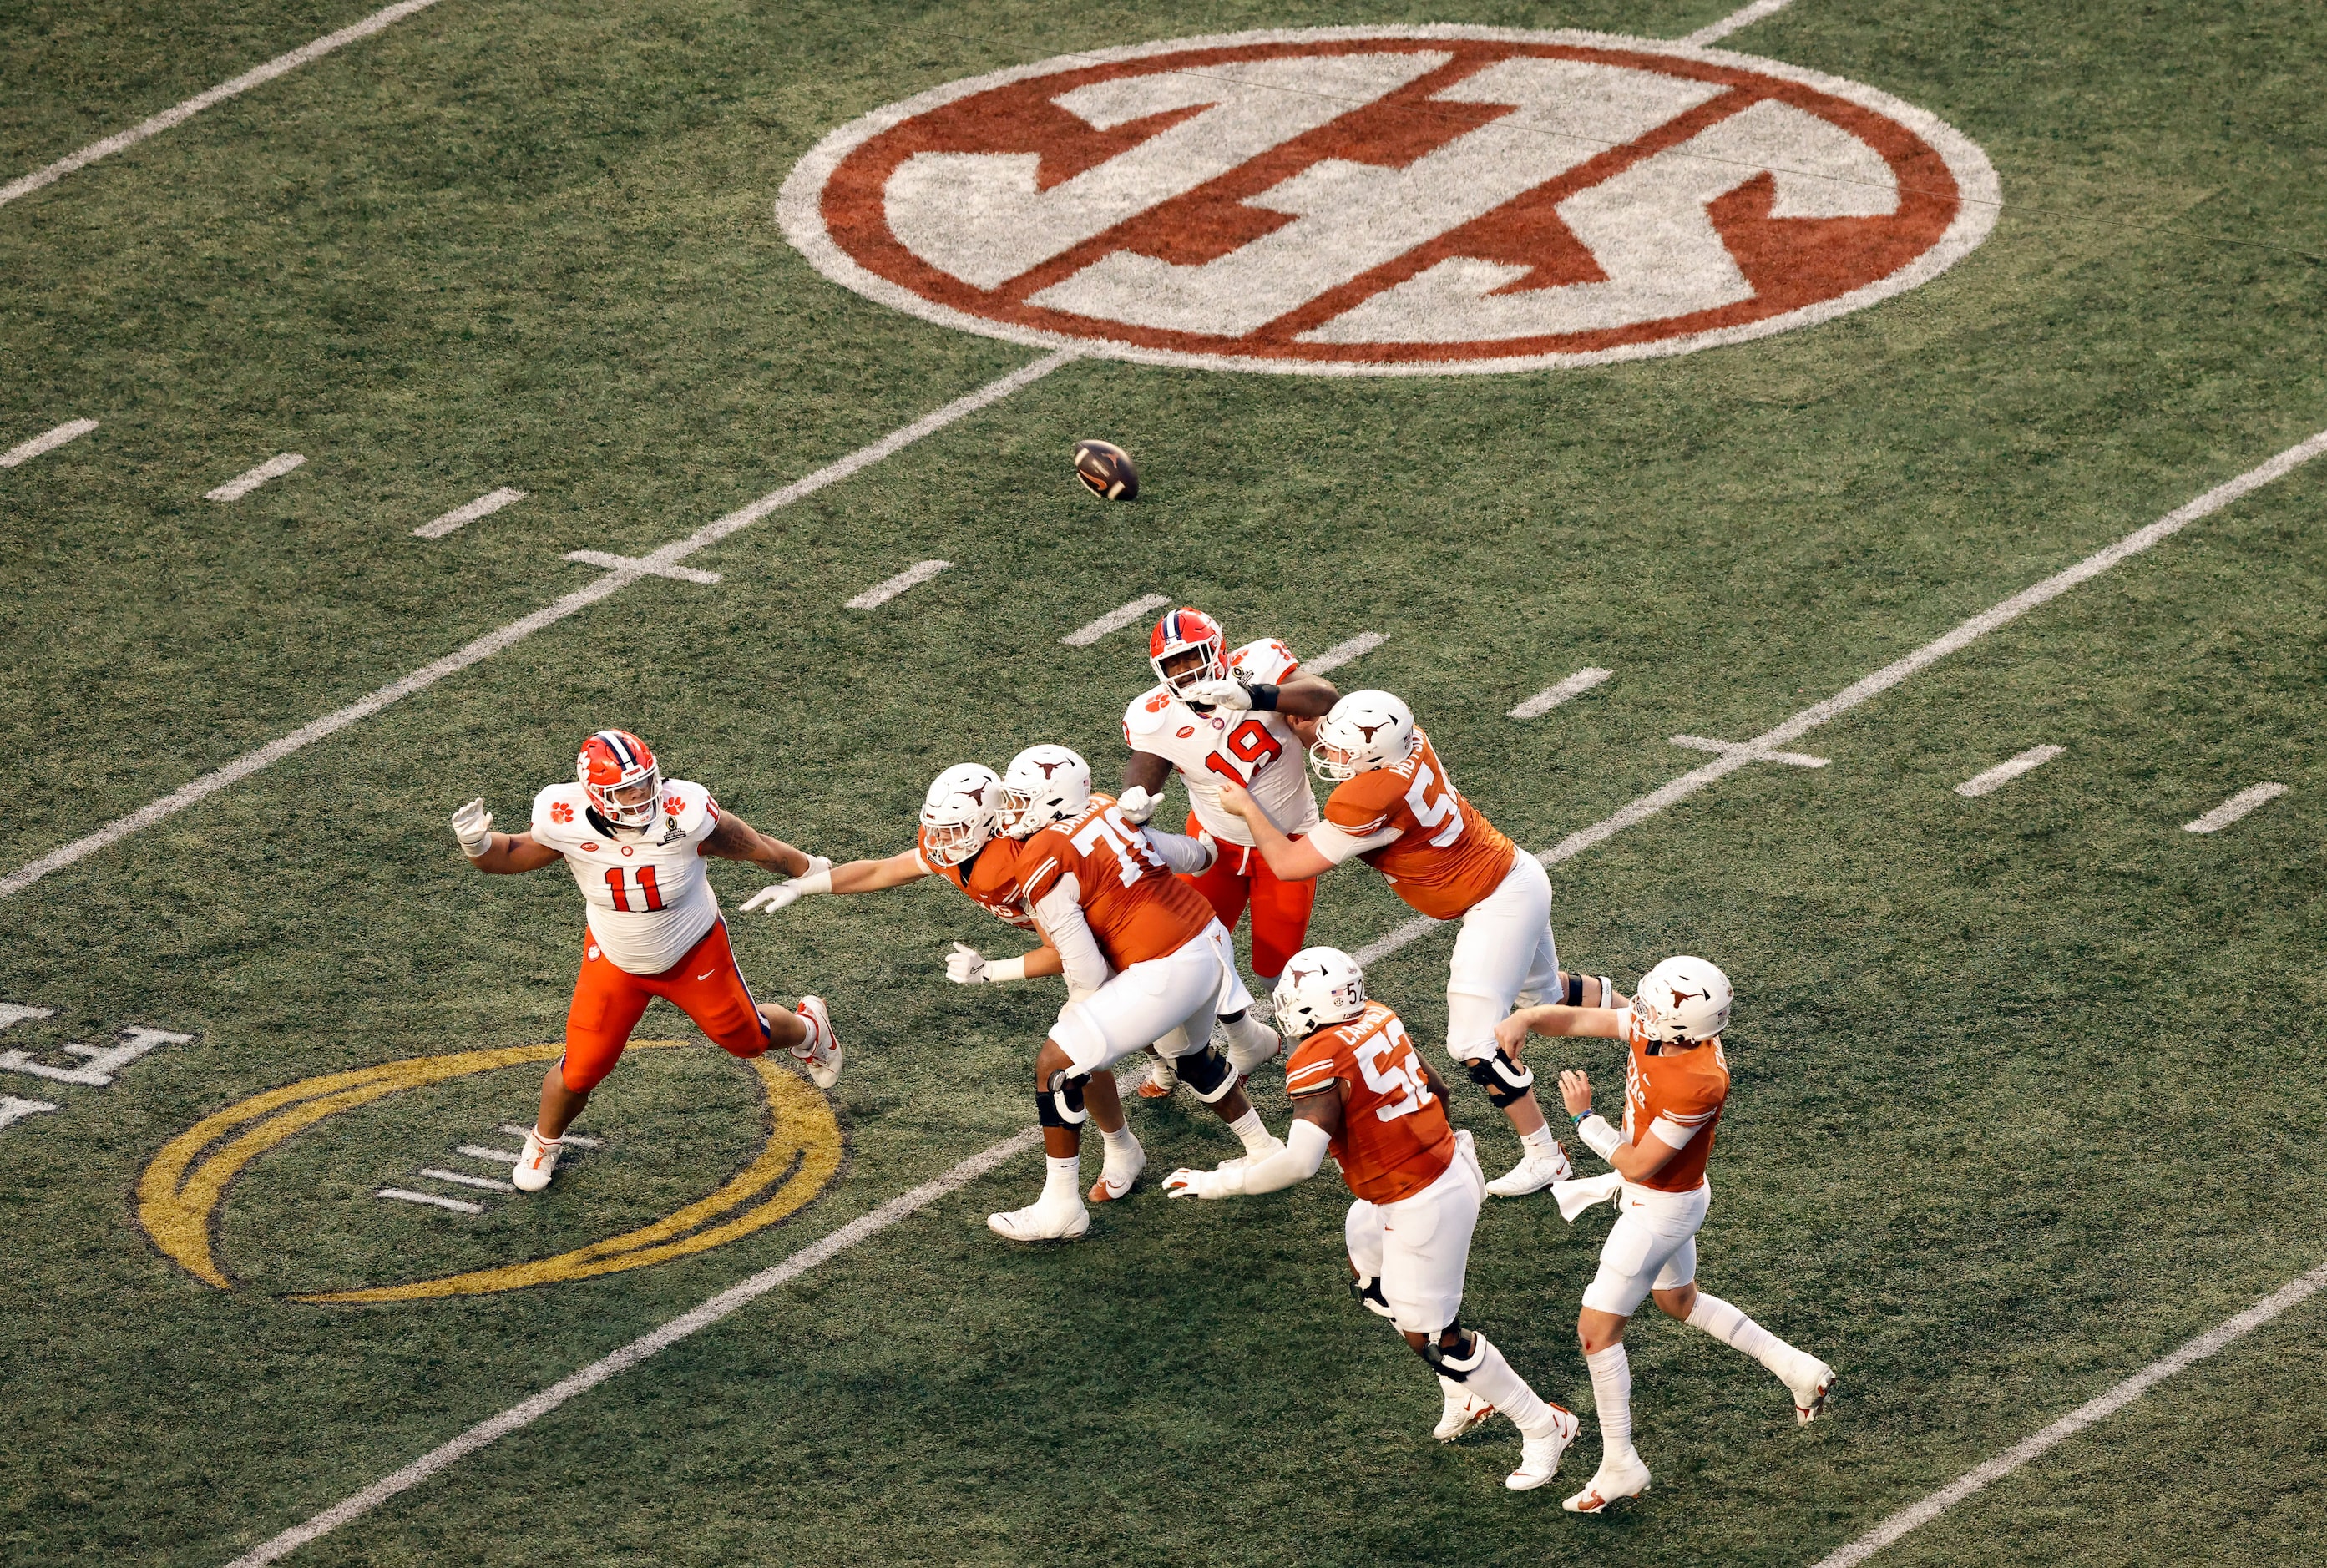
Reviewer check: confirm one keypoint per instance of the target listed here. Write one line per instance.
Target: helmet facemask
(1188, 647)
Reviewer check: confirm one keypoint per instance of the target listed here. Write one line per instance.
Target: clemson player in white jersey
(1359, 1090)
(1145, 960)
(636, 842)
(1394, 806)
(1675, 1085)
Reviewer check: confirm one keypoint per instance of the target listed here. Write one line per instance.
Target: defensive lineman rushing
(1394, 806)
(1360, 1089)
(635, 843)
(1675, 1087)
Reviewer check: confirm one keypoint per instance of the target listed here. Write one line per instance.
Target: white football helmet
(962, 810)
(1320, 986)
(1683, 999)
(1365, 731)
(1043, 785)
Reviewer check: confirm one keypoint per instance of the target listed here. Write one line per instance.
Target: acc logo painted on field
(182, 1192)
(1369, 200)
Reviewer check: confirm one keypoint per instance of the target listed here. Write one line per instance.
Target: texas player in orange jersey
(1394, 806)
(1675, 1087)
(1145, 960)
(636, 844)
(1359, 1090)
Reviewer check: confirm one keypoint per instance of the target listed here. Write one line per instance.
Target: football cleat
(535, 1164)
(1615, 1480)
(1106, 471)
(1161, 1078)
(1810, 1403)
(620, 777)
(1533, 1174)
(1540, 1457)
(819, 1053)
(1040, 1222)
(1463, 1411)
(1117, 1176)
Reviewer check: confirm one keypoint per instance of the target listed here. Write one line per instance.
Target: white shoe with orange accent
(1042, 1222)
(1533, 1174)
(1811, 1400)
(535, 1164)
(1616, 1480)
(1161, 1078)
(819, 1053)
(1463, 1409)
(1116, 1175)
(1540, 1457)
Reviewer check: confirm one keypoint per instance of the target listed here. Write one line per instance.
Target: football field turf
(2024, 1094)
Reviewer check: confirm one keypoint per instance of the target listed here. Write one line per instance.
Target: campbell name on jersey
(647, 892)
(1258, 751)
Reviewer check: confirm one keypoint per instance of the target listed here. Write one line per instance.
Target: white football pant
(1653, 1246)
(1419, 1248)
(1168, 1002)
(1506, 953)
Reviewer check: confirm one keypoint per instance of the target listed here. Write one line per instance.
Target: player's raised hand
(1575, 1092)
(1136, 805)
(773, 897)
(966, 966)
(1227, 694)
(472, 824)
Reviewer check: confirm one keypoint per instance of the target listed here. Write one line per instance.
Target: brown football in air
(1106, 471)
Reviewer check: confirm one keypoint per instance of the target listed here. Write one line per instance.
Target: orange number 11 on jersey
(650, 895)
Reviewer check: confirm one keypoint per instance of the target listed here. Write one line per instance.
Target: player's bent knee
(1208, 1073)
(1456, 1363)
(1058, 1102)
(1506, 1082)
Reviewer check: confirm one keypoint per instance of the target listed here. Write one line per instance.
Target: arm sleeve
(1337, 844)
(1302, 1154)
(1061, 915)
(1671, 1133)
(1180, 852)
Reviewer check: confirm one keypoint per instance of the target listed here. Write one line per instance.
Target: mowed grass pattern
(2020, 1091)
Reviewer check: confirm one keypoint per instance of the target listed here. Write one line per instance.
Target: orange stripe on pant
(607, 1002)
(1240, 878)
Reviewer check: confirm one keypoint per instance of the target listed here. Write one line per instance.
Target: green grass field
(2024, 1094)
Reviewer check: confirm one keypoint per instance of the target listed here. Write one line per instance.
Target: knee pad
(1506, 1082)
(1207, 1072)
(1059, 1102)
(1456, 1366)
(1575, 990)
(1369, 1293)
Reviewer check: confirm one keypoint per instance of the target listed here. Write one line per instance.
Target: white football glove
(1228, 695)
(966, 966)
(1137, 805)
(1225, 1182)
(472, 824)
(1211, 849)
(816, 879)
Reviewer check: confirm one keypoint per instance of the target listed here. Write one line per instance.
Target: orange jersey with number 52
(1135, 908)
(1395, 1137)
(1447, 855)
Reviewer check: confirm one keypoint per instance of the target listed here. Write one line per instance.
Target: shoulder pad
(689, 807)
(558, 812)
(1149, 711)
(1265, 660)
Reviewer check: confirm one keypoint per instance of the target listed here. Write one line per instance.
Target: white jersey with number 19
(649, 898)
(1258, 751)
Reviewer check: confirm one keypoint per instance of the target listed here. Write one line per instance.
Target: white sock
(1120, 1141)
(1540, 1141)
(1251, 1035)
(1611, 1390)
(1732, 1327)
(1258, 1140)
(1494, 1381)
(1452, 1389)
(1064, 1182)
(545, 1141)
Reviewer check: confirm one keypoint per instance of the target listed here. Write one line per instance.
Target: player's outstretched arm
(1307, 696)
(1292, 860)
(735, 839)
(1633, 1162)
(1558, 1021)
(966, 966)
(858, 876)
(1317, 1121)
(498, 853)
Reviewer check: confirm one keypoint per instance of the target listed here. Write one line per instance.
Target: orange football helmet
(621, 776)
(1184, 632)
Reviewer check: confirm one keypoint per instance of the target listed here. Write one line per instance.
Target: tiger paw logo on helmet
(1387, 200)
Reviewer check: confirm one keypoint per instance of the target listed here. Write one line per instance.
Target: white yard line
(1743, 17)
(178, 115)
(1114, 619)
(47, 441)
(711, 1312)
(2005, 772)
(242, 484)
(479, 1151)
(435, 1201)
(493, 642)
(1340, 653)
(484, 506)
(458, 1180)
(912, 576)
(2235, 807)
(2076, 1420)
(1550, 697)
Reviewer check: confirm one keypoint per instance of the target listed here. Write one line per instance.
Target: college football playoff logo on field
(1390, 201)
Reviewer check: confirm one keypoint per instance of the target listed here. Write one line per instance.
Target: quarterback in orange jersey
(1394, 806)
(1145, 960)
(1359, 1090)
(1675, 1087)
(636, 842)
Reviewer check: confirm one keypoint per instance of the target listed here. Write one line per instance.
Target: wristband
(1002, 969)
(1264, 696)
(1578, 1116)
(816, 882)
(1603, 1139)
